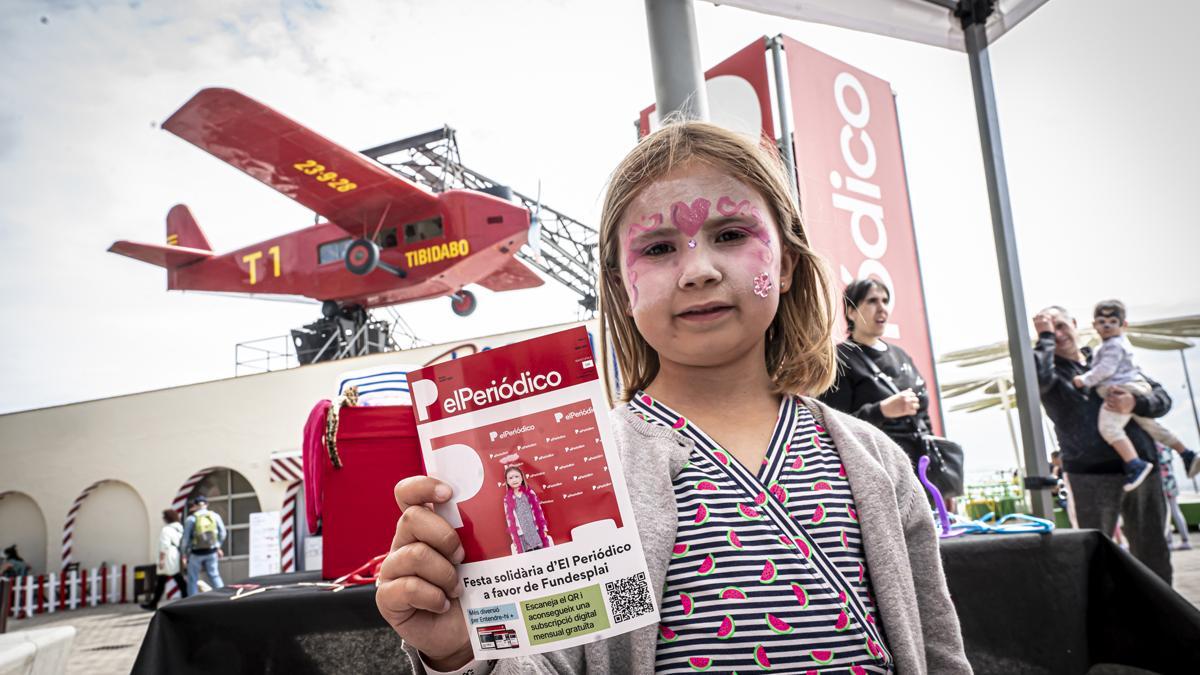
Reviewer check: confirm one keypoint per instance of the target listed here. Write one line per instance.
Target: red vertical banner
(854, 194)
(739, 93)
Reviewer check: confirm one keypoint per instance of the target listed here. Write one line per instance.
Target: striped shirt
(746, 588)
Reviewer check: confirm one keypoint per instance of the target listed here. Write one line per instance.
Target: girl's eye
(731, 235)
(655, 250)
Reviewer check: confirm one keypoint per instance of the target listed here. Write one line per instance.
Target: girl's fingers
(420, 560)
(423, 525)
(409, 593)
(420, 490)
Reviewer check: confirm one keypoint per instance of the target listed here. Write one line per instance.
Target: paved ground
(1187, 571)
(108, 638)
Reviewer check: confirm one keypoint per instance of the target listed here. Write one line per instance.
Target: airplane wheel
(362, 256)
(464, 304)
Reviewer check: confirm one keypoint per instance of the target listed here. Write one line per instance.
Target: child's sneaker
(1191, 463)
(1136, 471)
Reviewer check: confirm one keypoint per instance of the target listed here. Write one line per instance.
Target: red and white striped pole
(180, 506)
(287, 539)
(68, 537)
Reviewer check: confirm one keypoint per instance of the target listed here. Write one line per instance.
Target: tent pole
(675, 59)
(1006, 401)
(783, 102)
(1187, 378)
(1019, 349)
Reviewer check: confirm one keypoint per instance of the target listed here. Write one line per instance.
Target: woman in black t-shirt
(859, 391)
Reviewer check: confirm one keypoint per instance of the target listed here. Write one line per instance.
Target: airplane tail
(183, 231)
(186, 244)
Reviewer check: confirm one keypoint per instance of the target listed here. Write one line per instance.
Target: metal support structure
(1024, 375)
(783, 102)
(675, 58)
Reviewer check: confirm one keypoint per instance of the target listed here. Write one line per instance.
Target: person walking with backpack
(203, 534)
(170, 540)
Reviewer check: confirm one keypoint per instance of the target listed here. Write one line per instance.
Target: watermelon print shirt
(746, 590)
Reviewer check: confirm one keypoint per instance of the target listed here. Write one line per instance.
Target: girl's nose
(698, 269)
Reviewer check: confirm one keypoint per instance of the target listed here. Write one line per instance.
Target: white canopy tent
(964, 25)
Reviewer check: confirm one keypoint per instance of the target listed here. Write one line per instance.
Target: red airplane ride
(386, 240)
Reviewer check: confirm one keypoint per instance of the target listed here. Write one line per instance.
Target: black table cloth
(1054, 603)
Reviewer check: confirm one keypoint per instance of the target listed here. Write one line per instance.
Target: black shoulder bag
(945, 456)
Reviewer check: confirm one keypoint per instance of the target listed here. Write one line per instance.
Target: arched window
(232, 497)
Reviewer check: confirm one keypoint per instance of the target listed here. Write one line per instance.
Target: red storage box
(378, 447)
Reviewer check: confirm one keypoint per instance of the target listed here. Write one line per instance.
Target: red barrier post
(103, 584)
(124, 570)
(83, 587)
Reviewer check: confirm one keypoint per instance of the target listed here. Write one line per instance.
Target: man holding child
(1094, 473)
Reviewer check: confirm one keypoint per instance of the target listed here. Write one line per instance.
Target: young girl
(523, 513)
(758, 508)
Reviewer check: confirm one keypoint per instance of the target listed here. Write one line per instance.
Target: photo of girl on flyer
(523, 511)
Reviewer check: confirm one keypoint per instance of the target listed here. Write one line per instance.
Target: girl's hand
(900, 405)
(418, 585)
(1078, 381)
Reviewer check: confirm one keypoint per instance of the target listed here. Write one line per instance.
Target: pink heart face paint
(689, 219)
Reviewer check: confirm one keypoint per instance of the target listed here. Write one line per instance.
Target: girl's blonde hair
(800, 354)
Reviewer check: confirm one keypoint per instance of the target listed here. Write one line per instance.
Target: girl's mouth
(707, 312)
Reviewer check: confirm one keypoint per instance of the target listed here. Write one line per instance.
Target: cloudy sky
(1096, 111)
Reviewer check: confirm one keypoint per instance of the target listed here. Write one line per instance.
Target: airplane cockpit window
(332, 251)
(422, 230)
(387, 238)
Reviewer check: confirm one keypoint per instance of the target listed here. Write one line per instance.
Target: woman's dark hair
(170, 516)
(855, 292)
(11, 553)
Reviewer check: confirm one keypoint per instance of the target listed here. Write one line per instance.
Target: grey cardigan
(899, 540)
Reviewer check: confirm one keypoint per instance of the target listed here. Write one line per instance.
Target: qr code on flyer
(629, 598)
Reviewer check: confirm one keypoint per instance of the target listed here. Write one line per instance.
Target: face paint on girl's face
(649, 224)
(644, 241)
(689, 219)
(692, 279)
(762, 285)
(729, 208)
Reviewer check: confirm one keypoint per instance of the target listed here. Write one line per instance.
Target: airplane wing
(169, 257)
(514, 275)
(344, 186)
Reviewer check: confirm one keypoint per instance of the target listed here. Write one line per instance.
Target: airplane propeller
(363, 254)
(362, 257)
